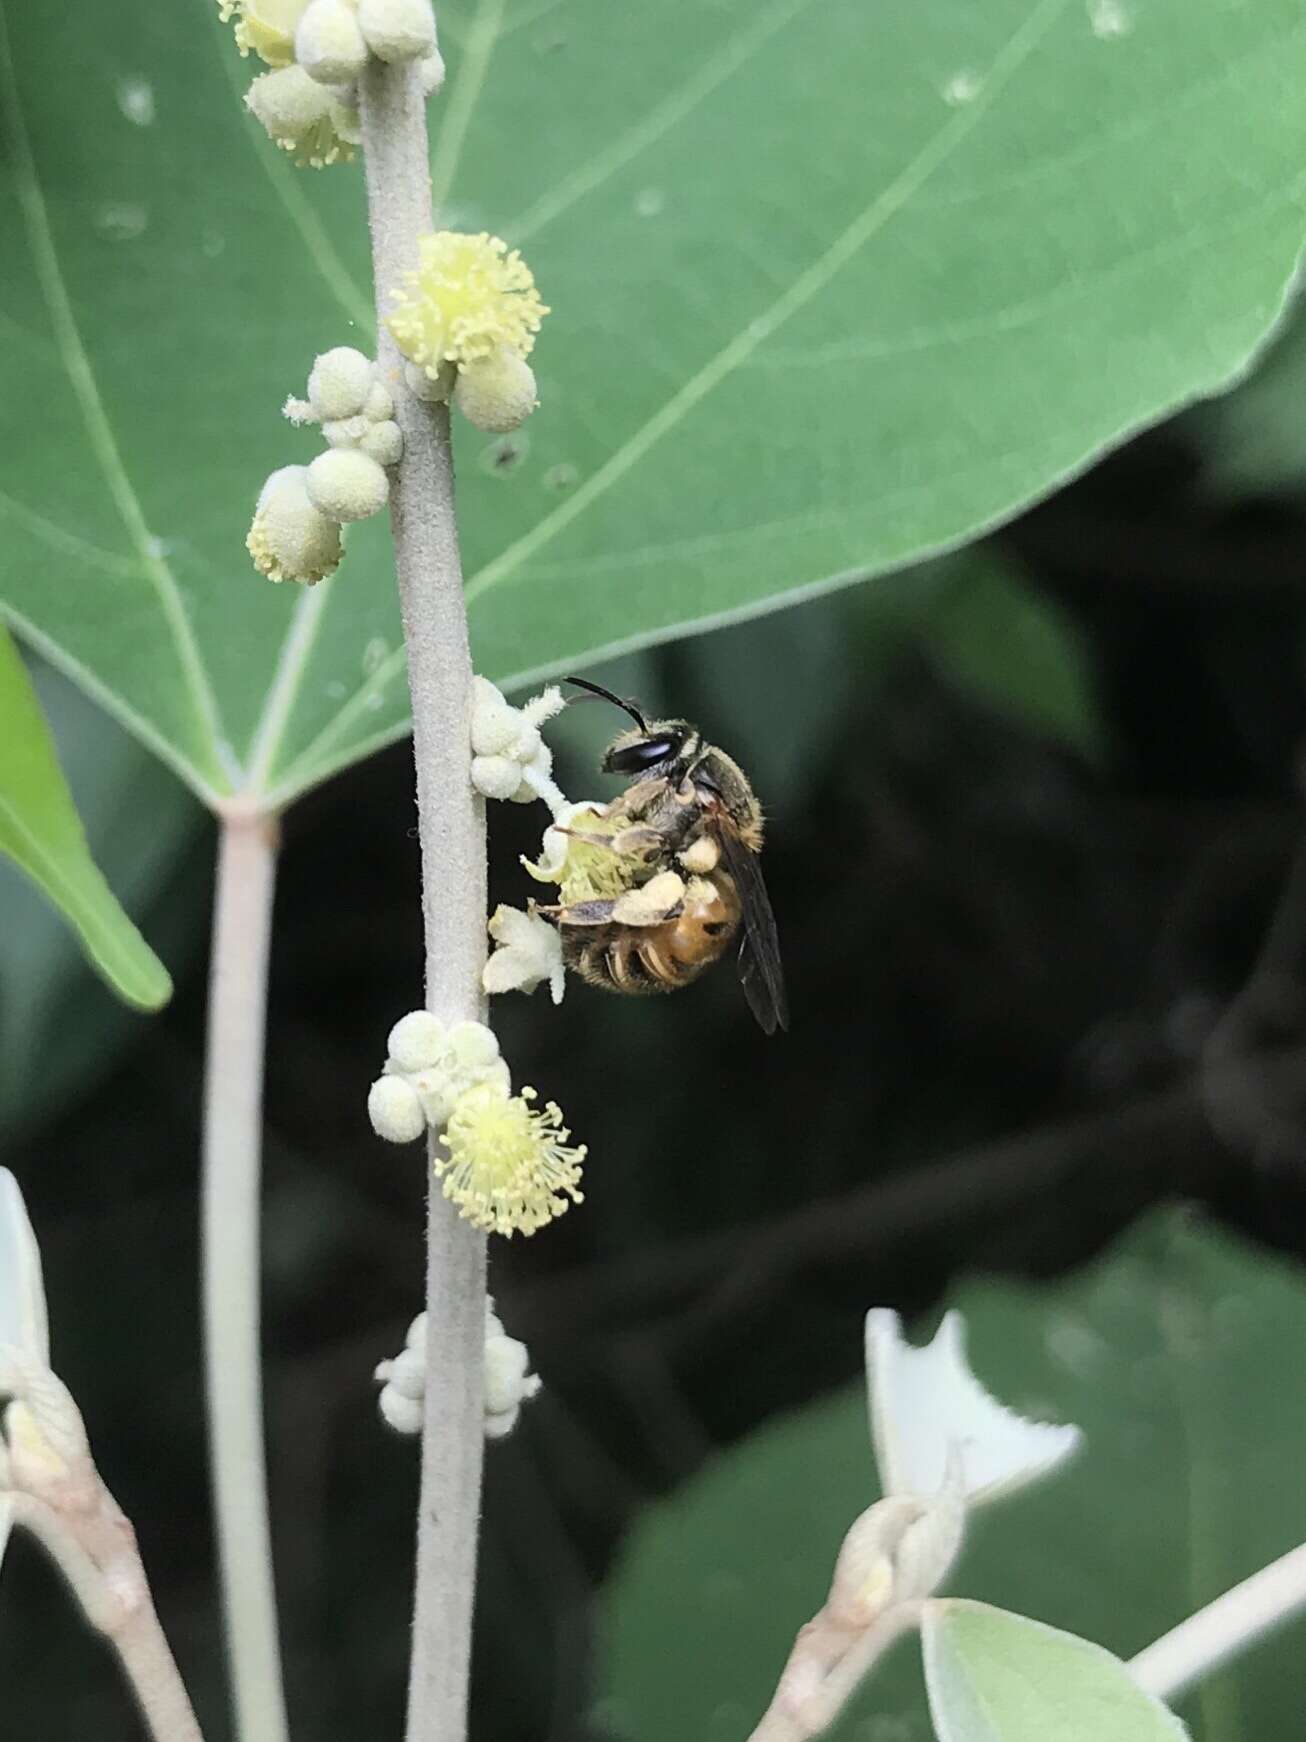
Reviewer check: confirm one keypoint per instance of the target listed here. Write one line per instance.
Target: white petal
(23, 1320)
(926, 1403)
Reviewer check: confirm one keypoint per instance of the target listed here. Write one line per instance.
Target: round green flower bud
(328, 43)
(395, 1110)
(339, 383)
(291, 539)
(383, 442)
(397, 29)
(498, 394)
(347, 485)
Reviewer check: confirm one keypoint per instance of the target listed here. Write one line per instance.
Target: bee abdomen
(631, 964)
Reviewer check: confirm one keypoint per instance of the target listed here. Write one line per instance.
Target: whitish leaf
(995, 1677)
(834, 286)
(41, 832)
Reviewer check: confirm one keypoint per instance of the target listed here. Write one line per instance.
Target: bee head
(664, 747)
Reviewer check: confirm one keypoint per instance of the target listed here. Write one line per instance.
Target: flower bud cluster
(308, 102)
(296, 531)
(507, 1164)
(508, 1381)
(510, 760)
(428, 1068)
(466, 320)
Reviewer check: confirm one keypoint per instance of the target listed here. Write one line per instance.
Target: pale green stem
(1223, 1629)
(451, 830)
(233, 1134)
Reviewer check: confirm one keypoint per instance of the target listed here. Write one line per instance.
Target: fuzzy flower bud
(398, 30)
(395, 1109)
(469, 297)
(403, 1382)
(291, 539)
(529, 953)
(497, 777)
(328, 43)
(383, 442)
(495, 722)
(417, 1041)
(432, 1067)
(496, 394)
(509, 758)
(432, 386)
(339, 383)
(347, 484)
(312, 121)
(508, 1380)
(508, 1165)
(379, 406)
(431, 72)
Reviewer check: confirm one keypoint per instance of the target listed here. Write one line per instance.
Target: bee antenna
(598, 693)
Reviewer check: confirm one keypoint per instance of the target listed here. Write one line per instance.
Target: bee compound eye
(647, 753)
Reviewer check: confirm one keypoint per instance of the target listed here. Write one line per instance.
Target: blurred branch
(1251, 1108)
(56, 1492)
(1170, 1665)
(1149, 1146)
(233, 1135)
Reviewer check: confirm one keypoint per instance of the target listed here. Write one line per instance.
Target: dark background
(1024, 1008)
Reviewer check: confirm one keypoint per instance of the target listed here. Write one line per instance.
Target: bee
(686, 846)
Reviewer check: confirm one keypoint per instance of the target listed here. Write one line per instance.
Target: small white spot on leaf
(963, 87)
(136, 100)
(1109, 19)
(121, 220)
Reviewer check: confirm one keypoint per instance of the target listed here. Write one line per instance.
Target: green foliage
(1253, 440)
(59, 1030)
(1182, 1356)
(41, 833)
(831, 290)
(995, 1677)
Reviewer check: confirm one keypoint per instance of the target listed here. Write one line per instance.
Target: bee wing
(760, 972)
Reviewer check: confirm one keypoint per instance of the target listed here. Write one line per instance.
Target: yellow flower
(265, 26)
(469, 298)
(589, 870)
(509, 1168)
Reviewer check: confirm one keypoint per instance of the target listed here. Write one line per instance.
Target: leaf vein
(936, 151)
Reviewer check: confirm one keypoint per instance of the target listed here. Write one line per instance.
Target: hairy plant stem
(94, 1547)
(1223, 1629)
(451, 830)
(233, 1130)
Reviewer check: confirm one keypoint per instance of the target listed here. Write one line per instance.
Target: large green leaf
(41, 832)
(834, 286)
(1182, 1355)
(995, 1677)
(1253, 440)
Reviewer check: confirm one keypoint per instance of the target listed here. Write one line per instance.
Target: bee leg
(633, 842)
(579, 913)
